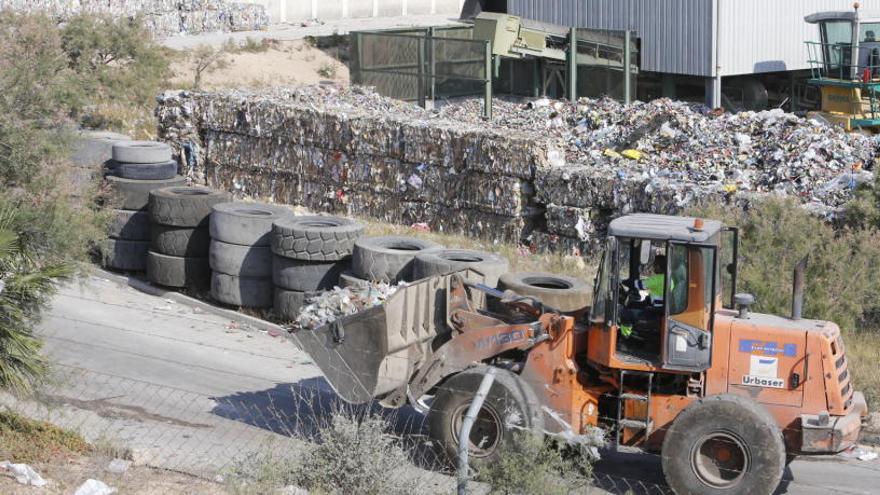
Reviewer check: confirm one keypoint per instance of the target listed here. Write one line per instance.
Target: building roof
(843, 15)
(663, 228)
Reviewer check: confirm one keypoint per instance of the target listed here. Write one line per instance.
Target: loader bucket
(371, 354)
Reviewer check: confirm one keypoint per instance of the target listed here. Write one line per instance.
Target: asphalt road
(192, 391)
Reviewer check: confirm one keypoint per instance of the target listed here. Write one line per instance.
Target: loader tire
(141, 152)
(180, 241)
(130, 194)
(349, 280)
(145, 171)
(511, 406)
(184, 206)
(306, 276)
(315, 238)
(241, 261)
(129, 225)
(723, 444)
(245, 224)
(124, 255)
(178, 271)
(445, 261)
(388, 259)
(289, 303)
(245, 292)
(567, 294)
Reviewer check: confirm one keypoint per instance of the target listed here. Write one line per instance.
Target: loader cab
(657, 290)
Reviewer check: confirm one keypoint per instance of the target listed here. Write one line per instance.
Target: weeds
(30, 441)
(327, 70)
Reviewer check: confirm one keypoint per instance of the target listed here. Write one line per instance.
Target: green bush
(841, 276)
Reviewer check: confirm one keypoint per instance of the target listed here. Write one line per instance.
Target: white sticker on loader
(763, 372)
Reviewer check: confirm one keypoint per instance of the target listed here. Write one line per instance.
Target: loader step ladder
(639, 424)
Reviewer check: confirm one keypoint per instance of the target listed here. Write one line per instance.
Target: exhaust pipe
(797, 291)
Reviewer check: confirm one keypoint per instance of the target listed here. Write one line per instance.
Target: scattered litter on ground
(118, 466)
(867, 456)
(334, 304)
(94, 487)
(23, 474)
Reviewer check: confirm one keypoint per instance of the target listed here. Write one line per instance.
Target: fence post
(572, 64)
(431, 60)
(420, 70)
(627, 67)
(356, 76)
(464, 434)
(487, 104)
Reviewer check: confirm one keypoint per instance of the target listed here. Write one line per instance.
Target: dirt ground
(281, 63)
(65, 476)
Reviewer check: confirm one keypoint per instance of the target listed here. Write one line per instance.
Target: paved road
(192, 391)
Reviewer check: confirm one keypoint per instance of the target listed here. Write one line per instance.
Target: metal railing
(840, 62)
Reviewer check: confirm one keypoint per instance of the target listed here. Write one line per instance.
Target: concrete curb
(153, 290)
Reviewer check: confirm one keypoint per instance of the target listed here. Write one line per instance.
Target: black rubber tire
(739, 420)
(124, 255)
(444, 261)
(509, 397)
(389, 258)
(185, 206)
(145, 171)
(130, 194)
(315, 238)
(567, 294)
(129, 225)
(307, 276)
(141, 152)
(92, 148)
(178, 271)
(288, 303)
(244, 292)
(349, 280)
(241, 261)
(245, 224)
(180, 241)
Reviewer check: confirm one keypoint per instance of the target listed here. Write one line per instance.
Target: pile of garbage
(332, 305)
(161, 17)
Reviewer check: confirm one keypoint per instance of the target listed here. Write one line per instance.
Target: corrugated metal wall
(677, 35)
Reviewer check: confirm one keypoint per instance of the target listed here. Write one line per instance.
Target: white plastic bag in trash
(23, 473)
(94, 487)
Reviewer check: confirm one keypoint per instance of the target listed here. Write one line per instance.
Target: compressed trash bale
(349, 280)
(141, 152)
(178, 271)
(129, 225)
(123, 254)
(241, 261)
(180, 241)
(315, 238)
(145, 171)
(242, 291)
(388, 258)
(245, 224)
(567, 294)
(130, 194)
(289, 303)
(444, 261)
(307, 276)
(185, 206)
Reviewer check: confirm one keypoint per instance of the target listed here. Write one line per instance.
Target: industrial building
(734, 53)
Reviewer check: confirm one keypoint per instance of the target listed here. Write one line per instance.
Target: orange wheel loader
(682, 368)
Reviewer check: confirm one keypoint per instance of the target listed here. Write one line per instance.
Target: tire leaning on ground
(242, 291)
(567, 294)
(141, 152)
(145, 171)
(185, 206)
(241, 261)
(245, 224)
(289, 303)
(301, 275)
(509, 397)
(444, 261)
(315, 238)
(122, 254)
(129, 225)
(180, 241)
(389, 258)
(135, 194)
(178, 271)
(724, 444)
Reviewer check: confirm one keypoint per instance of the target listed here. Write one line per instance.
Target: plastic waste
(23, 474)
(94, 487)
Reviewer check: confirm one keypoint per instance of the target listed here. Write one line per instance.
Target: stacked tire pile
(241, 253)
(136, 168)
(180, 238)
(440, 262)
(310, 255)
(388, 259)
(569, 295)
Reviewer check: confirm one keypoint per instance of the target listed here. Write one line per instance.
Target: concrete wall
(328, 10)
